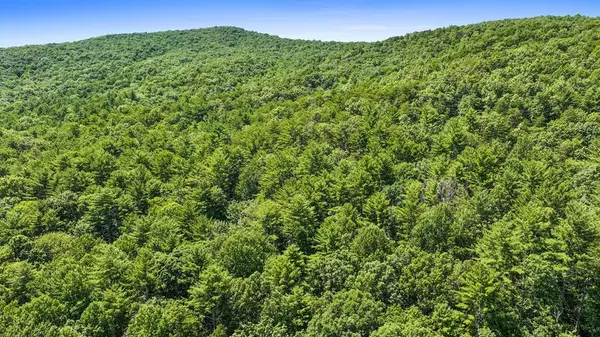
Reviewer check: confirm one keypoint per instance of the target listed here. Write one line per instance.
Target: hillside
(220, 182)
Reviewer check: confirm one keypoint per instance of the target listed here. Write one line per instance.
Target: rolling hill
(221, 182)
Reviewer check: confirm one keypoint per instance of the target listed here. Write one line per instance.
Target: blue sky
(43, 21)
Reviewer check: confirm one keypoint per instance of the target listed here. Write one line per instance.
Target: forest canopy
(220, 182)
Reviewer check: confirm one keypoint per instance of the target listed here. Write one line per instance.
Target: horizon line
(426, 28)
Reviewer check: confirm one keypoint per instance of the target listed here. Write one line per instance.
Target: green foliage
(244, 252)
(350, 313)
(164, 319)
(220, 182)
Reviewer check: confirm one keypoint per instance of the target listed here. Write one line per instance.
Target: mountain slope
(221, 182)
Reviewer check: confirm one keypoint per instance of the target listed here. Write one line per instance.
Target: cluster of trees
(220, 182)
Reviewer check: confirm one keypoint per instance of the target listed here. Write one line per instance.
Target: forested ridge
(220, 182)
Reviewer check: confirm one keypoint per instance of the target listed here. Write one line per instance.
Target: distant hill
(221, 182)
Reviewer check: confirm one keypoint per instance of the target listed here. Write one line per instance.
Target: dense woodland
(220, 182)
